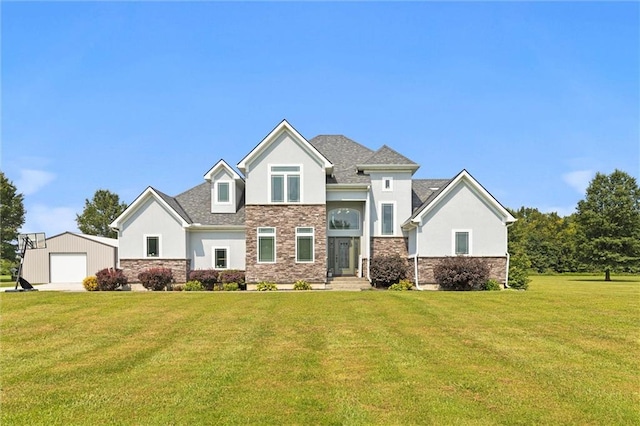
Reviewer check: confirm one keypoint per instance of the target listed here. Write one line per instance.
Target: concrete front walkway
(60, 287)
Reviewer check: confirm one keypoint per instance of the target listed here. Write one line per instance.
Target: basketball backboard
(34, 240)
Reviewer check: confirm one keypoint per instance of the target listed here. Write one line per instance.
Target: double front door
(343, 255)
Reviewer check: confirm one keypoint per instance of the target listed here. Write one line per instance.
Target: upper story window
(152, 245)
(387, 184)
(387, 215)
(461, 242)
(343, 218)
(285, 184)
(223, 193)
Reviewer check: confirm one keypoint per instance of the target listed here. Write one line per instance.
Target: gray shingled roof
(197, 203)
(174, 205)
(425, 190)
(344, 154)
(388, 156)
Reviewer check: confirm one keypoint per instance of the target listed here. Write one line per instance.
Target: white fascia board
(367, 168)
(222, 165)
(195, 227)
(347, 187)
(149, 192)
(475, 185)
(272, 136)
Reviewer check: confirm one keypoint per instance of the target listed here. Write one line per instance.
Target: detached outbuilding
(69, 258)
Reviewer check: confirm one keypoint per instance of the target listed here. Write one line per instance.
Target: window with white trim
(387, 218)
(461, 242)
(387, 184)
(266, 245)
(344, 218)
(152, 245)
(220, 258)
(304, 245)
(223, 193)
(285, 184)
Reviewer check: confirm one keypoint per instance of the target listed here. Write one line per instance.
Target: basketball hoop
(35, 240)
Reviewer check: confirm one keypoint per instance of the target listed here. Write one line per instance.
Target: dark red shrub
(156, 279)
(110, 279)
(387, 270)
(207, 277)
(461, 273)
(232, 276)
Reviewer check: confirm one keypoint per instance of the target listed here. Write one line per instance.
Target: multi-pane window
(285, 184)
(304, 244)
(220, 258)
(461, 242)
(387, 218)
(344, 218)
(223, 192)
(266, 245)
(152, 244)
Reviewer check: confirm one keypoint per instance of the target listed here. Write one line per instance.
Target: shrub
(403, 285)
(301, 285)
(156, 279)
(387, 270)
(90, 283)
(461, 273)
(518, 271)
(492, 285)
(230, 287)
(266, 286)
(110, 279)
(177, 287)
(193, 285)
(207, 277)
(232, 276)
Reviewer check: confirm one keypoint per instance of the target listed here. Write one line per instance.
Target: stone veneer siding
(286, 218)
(132, 267)
(387, 246)
(498, 267)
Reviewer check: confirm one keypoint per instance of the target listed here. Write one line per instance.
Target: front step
(348, 284)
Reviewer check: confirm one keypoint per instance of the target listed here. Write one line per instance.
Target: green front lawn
(564, 352)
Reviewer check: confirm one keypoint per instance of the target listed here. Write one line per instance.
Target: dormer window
(285, 184)
(222, 193)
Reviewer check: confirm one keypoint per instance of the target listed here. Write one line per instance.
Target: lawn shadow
(601, 280)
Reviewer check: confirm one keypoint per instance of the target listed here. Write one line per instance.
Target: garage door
(68, 267)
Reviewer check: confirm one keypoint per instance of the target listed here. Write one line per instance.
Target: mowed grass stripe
(563, 352)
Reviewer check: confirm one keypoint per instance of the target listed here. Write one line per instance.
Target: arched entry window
(344, 218)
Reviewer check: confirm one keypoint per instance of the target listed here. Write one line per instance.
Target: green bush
(301, 285)
(266, 286)
(403, 285)
(519, 271)
(156, 279)
(177, 287)
(110, 279)
(193, 285)
(387, 270)
(90, 283)
(230, 287)
(492, 285)
(461, 273)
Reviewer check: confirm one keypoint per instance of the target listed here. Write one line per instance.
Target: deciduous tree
(12, 218)
(608, 222)
(98, 213)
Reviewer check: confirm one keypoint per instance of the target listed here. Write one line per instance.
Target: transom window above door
(344, 218)
(285, 184)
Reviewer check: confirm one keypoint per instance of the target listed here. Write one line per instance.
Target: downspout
(368, 232)
(415, 262)
(506, 275)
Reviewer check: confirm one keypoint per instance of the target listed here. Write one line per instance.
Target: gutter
(506, 275)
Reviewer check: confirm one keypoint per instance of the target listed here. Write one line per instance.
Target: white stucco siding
(462, 209)
(152, 219)
(202, 244)
(285, 151)
(399, 195)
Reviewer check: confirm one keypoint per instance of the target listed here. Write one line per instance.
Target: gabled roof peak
(386, 158)
(221, 165)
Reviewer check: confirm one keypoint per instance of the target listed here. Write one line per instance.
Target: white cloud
(31, 181)
(578, 180)
(50, 220)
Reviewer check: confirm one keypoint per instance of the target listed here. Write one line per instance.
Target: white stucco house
(303, 209)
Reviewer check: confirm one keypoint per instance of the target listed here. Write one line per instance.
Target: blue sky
(531, 98)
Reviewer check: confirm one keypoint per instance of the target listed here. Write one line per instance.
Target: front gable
(226, 188)
(283, 157)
